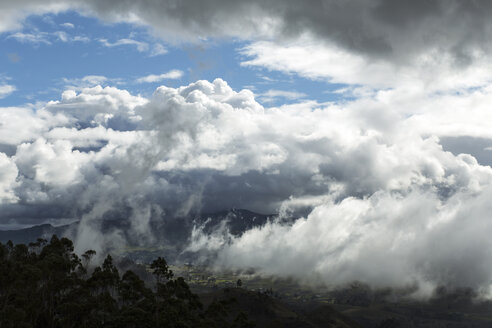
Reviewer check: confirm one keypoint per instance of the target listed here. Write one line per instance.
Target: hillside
(266, 311)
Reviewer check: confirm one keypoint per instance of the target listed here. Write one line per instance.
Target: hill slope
(266, 311)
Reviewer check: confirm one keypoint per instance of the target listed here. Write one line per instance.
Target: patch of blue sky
(56, 51)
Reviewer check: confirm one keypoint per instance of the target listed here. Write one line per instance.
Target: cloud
(35, 38)
(79, 38)
(8, 175)
(62, 36)
(6, 90)
(67, 25)
(374, 28)
(272, 95)
(65, 37)
(141, 46)
(158, 50)
(97, 105)
(376, 193)
(25, 124)
(374, 36)
(85, 82)
(327, 62)
(374, 240)
(56, 163)
(13, 13)
(378, 197)
(152, 78)
(153, 50)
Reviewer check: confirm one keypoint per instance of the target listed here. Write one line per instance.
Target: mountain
(27, 235)
(236, 220)
(172, 230)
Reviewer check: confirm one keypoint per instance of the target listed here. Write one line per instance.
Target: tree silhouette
(45, 284)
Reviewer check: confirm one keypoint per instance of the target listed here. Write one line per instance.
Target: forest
(45, 284)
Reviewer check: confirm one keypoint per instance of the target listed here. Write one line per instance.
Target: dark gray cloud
(382, 29)
(395, 30)
(480, 148)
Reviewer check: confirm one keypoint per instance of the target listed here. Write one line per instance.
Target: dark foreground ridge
(45, 284)
(266, 311)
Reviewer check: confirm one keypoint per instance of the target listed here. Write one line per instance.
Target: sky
(53, 52)
(367, 121)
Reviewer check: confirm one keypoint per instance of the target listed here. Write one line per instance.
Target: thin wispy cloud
(34, 38)
(158, 50)
(6, 90)
(47, 38)
(62, 36)
(273, 95)
(65, 37)
(67, 25)
(153, 78)
(140, 46)
(89, 81)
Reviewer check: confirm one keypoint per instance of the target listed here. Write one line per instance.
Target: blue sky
(54, 52)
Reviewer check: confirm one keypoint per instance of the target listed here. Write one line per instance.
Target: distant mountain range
(173, 230)
(27, 235)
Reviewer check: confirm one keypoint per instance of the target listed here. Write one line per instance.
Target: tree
(47, 285)
(160, 270)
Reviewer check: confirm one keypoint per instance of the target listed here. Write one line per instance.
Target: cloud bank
(379, 199)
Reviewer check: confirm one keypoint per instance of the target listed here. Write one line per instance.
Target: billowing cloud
(98, 105)
(384, 240)
(8, 176)
(379, 200)
(25, 124)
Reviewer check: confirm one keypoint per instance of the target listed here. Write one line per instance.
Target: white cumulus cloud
(367, 176)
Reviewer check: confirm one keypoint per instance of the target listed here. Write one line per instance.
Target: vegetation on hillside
(45, 284)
